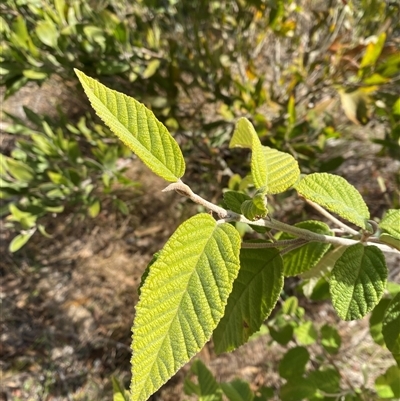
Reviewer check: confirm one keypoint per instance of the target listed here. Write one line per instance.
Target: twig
(277, 244)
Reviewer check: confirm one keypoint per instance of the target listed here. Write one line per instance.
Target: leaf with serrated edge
(335, 194)
(391, 223)
(358, 281)
(254, 295)
(391, 327)
(270, 168)
(182, 300)
(137, 127)
(234, 200)
(307, 256)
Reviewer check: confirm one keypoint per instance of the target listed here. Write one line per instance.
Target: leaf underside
(182, 300)
(254, 295)
(335, 194)
(358, 281)
(391, 223)
(137, 127)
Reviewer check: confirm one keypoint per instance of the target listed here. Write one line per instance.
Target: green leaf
(389, 240)
(270, 168)
(330, 339)
(290, 306)
(254, 295)
(337, 195)
(237, 390)
(391, 328)
(19, 170)
(373, 51)
(20, 240)
(307, 256)
(391, 223)
(282, 335)
(376, 319)
(234, 200)
(36, 75)
(293, 363)
(388, 385)
(119, 393)
(255, 208)
(306, 333)
(326, 379)
(137, 127)
(207, 388)
(94, 208)
(297, 390)
(47, 33)
(182, 300)
(358, 281)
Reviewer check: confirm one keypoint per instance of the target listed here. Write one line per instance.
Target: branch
(276, 244)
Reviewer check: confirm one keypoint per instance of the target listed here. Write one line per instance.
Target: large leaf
(358, 281)
(391, 223)
(182, 300)
(335, 194)
(270, 168)
(307, 256)
(391, 328)
(137, 127)
(254, 295)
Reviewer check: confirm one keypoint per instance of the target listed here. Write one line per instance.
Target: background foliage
(312, 76)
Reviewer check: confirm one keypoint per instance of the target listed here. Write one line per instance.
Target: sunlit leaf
(391, 223)
(182, 300)
(391, 327)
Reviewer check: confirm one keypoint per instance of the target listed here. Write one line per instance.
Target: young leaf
(182, 300)
(335, 194)
(270, 168)
(207, 389)
(119, 393)
(254, 208)
(137, 127)
(391, 223)
(20, 240)
(237, 390)
(387, 385)
(358, 281)
(376, 319)
(293, 363)
(234, 200)
(391, 328)
(330, 339)
(326, 379)
(307, 256)
(254, 295)
(306, 333)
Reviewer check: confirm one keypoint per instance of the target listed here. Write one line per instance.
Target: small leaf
(234, 200)
(387, 385)
(335, 194)
(137, 127)
(282, 335)
(254, 295)
(391, 223)
(151, 69)
(297, 390)
(255, 208)
(293, 363)
(19, 170)
(36, 75)
(290, 306)
(20, 240)
(94, 208)
(354, 105)
(373, 51)
(237, 390)
(358, 281)
(389, 240)
(376, 319)
(306, 333)
(47, 33)
(119, 393)
(307, 256)
(391, 328)
(330, 339)
(207, 388)
(326, 379)
(182, 300)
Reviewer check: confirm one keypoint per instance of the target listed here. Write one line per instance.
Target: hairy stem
(276, 244)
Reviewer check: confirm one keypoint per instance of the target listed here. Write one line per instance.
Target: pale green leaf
(376, 319)
(387, 385)
(119, 393)
(330, 339)
(293, 363)
(306, 333)
(245, 136)
(137, 127)
(358, 281)
(254, 295)
(270, 168)
(47, 33)
(290, 306)
(335, 194)
(389, 240)
(94, 208)
(19, 170)
(207, 388)
(255, 208)
(391, 223)
(297, 390)
(391, 328)
(307, 256)
(182, 300)
(282, 170)
(20, 240)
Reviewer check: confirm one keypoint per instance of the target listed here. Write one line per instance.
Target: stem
(333, 219)
(276, 244)
(227, 216)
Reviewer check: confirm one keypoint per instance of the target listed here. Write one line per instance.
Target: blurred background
(81, 217)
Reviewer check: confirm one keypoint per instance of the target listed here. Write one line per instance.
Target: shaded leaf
(293, 363)
(237, 390)
(391, 328)
(330, 339)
